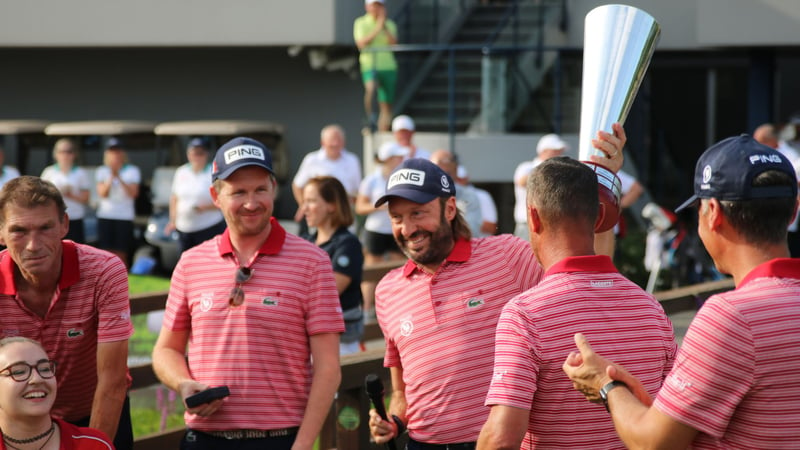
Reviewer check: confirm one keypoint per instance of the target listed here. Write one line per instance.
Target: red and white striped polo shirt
(260, 349)
(583, 294)
(440, 329)
(90, 305)
(735, 377)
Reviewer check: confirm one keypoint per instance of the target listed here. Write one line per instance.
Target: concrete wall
(696, 24)
(108, 23)
(182, 84)
(118, 23)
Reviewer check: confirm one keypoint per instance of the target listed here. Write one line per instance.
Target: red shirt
(735, 377)
(583, 294)
(440, 329)
(90, 305)
(77, 438)
(260, 349)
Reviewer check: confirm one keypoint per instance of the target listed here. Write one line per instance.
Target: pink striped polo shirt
(260, 349)
(440, 329)
(90, 305)
(735, 377)
(583, 294)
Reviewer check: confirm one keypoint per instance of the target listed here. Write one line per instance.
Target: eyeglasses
(243, 274)
(22, 371)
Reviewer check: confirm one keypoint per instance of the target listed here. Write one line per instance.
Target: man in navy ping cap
(733, 384)
(261, 310)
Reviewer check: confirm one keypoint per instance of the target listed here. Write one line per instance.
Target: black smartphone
(207, 396)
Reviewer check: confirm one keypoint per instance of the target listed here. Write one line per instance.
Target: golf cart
(25, 145)
(174, 137)
(140, 146)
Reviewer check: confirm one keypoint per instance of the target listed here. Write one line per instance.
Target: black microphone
(374, 387)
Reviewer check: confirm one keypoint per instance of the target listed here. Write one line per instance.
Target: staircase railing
(507, 88)
(451, 50)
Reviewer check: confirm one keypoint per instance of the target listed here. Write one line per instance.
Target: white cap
(402, 123)
(367, 2)
(550, 142)
(389, 149)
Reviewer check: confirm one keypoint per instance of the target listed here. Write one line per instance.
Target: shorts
(387, 80)
(353, 325)
(114, 234)
(379, 244)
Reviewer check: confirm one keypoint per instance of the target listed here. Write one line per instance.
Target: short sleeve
(515, 368)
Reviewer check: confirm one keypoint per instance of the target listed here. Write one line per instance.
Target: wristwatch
(607, 388)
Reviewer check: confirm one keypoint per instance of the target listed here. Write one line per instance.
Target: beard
(440, 243)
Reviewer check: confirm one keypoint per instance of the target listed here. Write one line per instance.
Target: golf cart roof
(99, 127)
(22, 126)
(218, 127)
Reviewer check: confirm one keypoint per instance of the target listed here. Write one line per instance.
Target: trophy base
(609, 190)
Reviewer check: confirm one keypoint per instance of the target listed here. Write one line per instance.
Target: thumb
(583, 344)
(573, 359)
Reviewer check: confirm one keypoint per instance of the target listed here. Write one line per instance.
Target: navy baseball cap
(418, 180)
(237, 153)
(114, 142)
(198, 142)
(726, 171)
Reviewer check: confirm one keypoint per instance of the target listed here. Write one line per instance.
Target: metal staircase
(492, 84)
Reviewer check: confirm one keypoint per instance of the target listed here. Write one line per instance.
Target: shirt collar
(774, 268)
(588, 263)
(273, 244)
(462, 250)
(70, 271)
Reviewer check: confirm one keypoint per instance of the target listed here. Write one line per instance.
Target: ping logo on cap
(406, 176)
(765, 159)
(244, 152)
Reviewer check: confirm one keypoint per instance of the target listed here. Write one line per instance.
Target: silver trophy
(619, 41)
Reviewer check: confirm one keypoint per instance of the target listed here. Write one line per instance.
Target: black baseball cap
(418, 180)
(237, 153)
(726, 171)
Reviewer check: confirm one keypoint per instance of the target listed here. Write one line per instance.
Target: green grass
(139, 284)
(148, 420)
(145, 414)
(142, 341)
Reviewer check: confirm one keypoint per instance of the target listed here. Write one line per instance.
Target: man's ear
(534, 220)
(450, 208)
(713, 214)
(214, 195)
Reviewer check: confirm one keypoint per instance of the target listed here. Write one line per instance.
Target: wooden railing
(345, 427)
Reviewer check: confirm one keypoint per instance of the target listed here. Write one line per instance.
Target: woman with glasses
(27, 393)
(327, 208)
(74, 184)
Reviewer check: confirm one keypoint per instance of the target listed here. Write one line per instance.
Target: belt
(458, 446)
(253, 434)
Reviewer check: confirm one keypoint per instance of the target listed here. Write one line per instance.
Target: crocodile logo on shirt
(269, 301)
(473, 302)
(74, 332)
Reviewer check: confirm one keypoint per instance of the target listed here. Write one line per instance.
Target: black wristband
(401, 427)
(607, 388)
